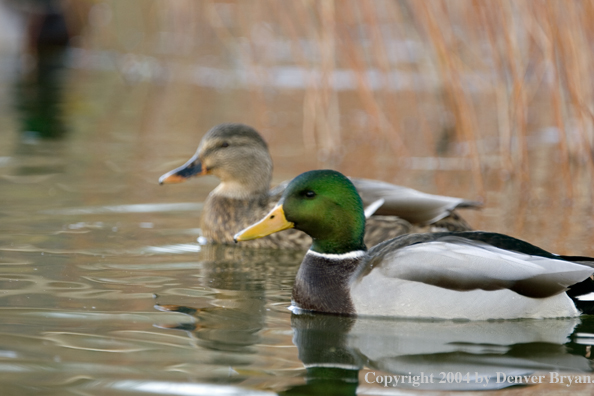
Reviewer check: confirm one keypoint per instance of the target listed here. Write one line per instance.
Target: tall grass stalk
(485, 85)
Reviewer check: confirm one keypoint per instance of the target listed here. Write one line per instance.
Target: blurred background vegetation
(489, 100)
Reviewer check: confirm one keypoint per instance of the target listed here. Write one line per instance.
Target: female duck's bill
(193, 167)
(449, 275)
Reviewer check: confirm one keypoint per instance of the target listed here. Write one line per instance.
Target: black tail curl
(582, 289)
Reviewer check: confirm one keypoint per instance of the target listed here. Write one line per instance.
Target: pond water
(104, 289)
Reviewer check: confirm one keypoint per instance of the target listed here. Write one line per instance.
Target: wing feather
(461, 264)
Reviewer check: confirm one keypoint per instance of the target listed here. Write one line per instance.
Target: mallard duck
(239, 157)
(447, 275)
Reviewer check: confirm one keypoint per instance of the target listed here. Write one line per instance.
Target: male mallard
(469, 275)
(238, 156)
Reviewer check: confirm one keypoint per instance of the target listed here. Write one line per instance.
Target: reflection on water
(419, 352)
(105, 290)
(356, 355)
(79, 317)
(38, 92)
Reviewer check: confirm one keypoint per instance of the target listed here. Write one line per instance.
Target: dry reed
(484, 83)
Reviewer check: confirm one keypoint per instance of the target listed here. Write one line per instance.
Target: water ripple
(111, 317)
(96, 343)
(183, 389)
(135, 208)
(192, 265)
(132, 281)
(183, 248)
(175, 249)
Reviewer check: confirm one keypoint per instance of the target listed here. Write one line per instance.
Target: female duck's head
(322, 203)
(236, 154)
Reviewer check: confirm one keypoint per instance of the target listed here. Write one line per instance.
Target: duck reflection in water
(417, 351)
(236, 280)
(343, 354)
(39, 92)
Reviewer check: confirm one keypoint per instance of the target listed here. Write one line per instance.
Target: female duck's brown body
(239, 157)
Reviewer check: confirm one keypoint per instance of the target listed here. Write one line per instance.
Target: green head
(322, 203)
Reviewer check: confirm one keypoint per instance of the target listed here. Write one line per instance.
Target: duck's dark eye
(309, 194)
(225, 144)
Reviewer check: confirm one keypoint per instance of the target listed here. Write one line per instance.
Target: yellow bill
(274, 221)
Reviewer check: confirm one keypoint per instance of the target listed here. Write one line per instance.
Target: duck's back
(449, 275)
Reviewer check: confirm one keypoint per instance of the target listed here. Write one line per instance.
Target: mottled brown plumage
(239, 157)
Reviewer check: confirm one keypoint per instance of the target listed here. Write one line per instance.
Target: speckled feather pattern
(223, 217)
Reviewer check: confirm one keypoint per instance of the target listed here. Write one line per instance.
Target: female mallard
(449, 275)
(238, 156)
